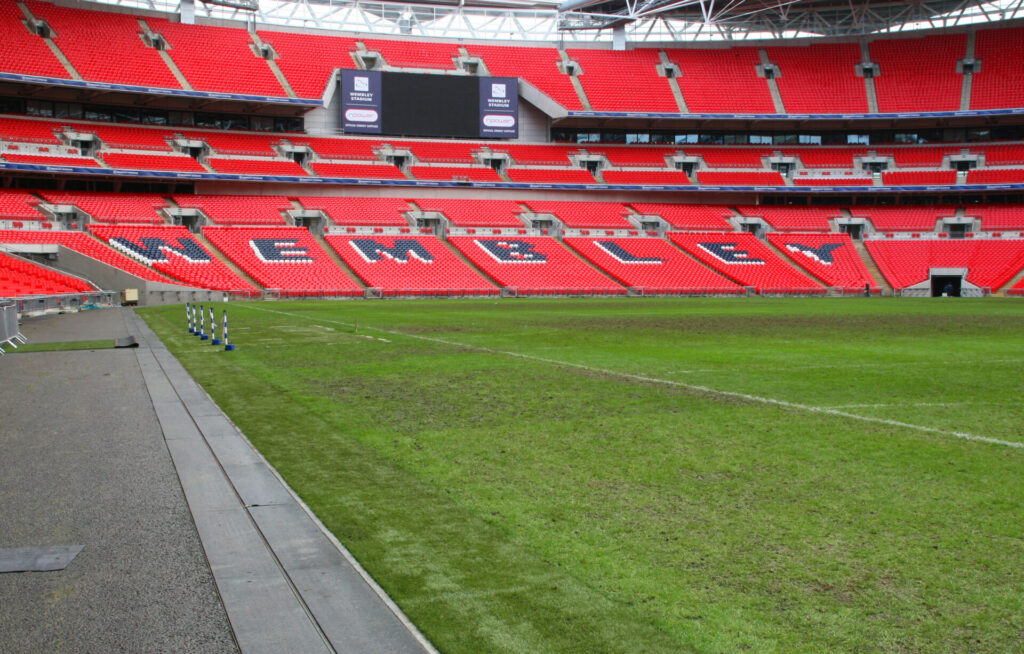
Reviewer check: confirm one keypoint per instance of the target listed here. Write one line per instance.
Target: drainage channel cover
(38, 559)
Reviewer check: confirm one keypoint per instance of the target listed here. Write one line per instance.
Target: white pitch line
(669, 382)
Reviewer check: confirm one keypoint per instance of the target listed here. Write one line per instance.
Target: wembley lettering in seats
(822, 254)
(152, 250)
(727, 253)
(277, 250)
(620, 254)
(404, 249)
(511, 251)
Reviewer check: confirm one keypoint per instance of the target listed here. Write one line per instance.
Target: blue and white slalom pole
(213, 328)
(227, 346)
(188, 317)
(202, 324)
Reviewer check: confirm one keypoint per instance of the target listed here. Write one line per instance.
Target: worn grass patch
(503, 471)
(61, 347)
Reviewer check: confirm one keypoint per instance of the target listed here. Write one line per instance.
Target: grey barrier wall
(39, 304)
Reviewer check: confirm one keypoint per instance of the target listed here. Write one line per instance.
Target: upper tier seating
(46, 160)
(721, 81)
(537, 66)
(652, 264)
(746, 260)
(912, 177)
(360, 211)
(995, 218)
(740, 178)
(175, 252)
(217, 58)
(283, 258)
(113, 207)
(603, 71)
(418, 54)
(28, 130)
(903, 219)
(831, 258)
(84, 244)
(996, 176)
(169, 162)
(475, 213)
(919, 74)
(98, 43)
(595, 215)
(990, 263)
(794, 219)
(408, 263)
(550, 176)
(449, 173)
(1000, 82)
(257, 167)
(22, 51)
(19, 277)
(659, 177)
(18, 205)
(820, 78)
(702, 217)
(308, 60)
(238, 209)
(357, 171)
(533, 265)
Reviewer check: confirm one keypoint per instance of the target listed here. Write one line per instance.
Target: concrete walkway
(284, 584)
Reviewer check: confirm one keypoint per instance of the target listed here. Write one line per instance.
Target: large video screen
(405, 104)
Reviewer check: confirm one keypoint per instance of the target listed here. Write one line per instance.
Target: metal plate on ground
(38, 559)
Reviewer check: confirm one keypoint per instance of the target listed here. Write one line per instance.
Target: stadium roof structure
(595, 20)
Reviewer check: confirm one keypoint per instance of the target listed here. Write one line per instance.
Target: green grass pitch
(653, 475)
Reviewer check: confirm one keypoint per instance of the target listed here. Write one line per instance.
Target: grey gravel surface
(85, 462)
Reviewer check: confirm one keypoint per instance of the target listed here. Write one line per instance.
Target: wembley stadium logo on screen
(498, 91)
(361, 84)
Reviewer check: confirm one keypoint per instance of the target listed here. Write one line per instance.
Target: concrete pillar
(188, 12)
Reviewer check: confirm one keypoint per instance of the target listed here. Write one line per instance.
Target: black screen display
(430, 105)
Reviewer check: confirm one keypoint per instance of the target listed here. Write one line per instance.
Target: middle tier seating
(651, 264)
(409, 264)
(284, 259)
(174, 251)
(831, 258)
(238, 209)
(746, 260)
(534, 265)
(736, 178)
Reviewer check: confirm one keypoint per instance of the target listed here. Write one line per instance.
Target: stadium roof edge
(638, 21)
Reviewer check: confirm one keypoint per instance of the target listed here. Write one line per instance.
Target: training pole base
(216, 341)
(230, 347)
(204, 337)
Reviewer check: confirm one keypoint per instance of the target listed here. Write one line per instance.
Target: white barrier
(10, 331)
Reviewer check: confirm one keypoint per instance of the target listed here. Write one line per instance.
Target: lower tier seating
(360, 211)
(18, 205)
(19, 277)
(997, 217)
(408, 264)
(793, 219)
(175, 252)
(287, 259)
(990, 263)
(746, 260)
(903, 219)
(594, 215)
(475, 213)
(704, 217)
(831, 258)
(651, 264)
(534, 265)
(84, 244)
